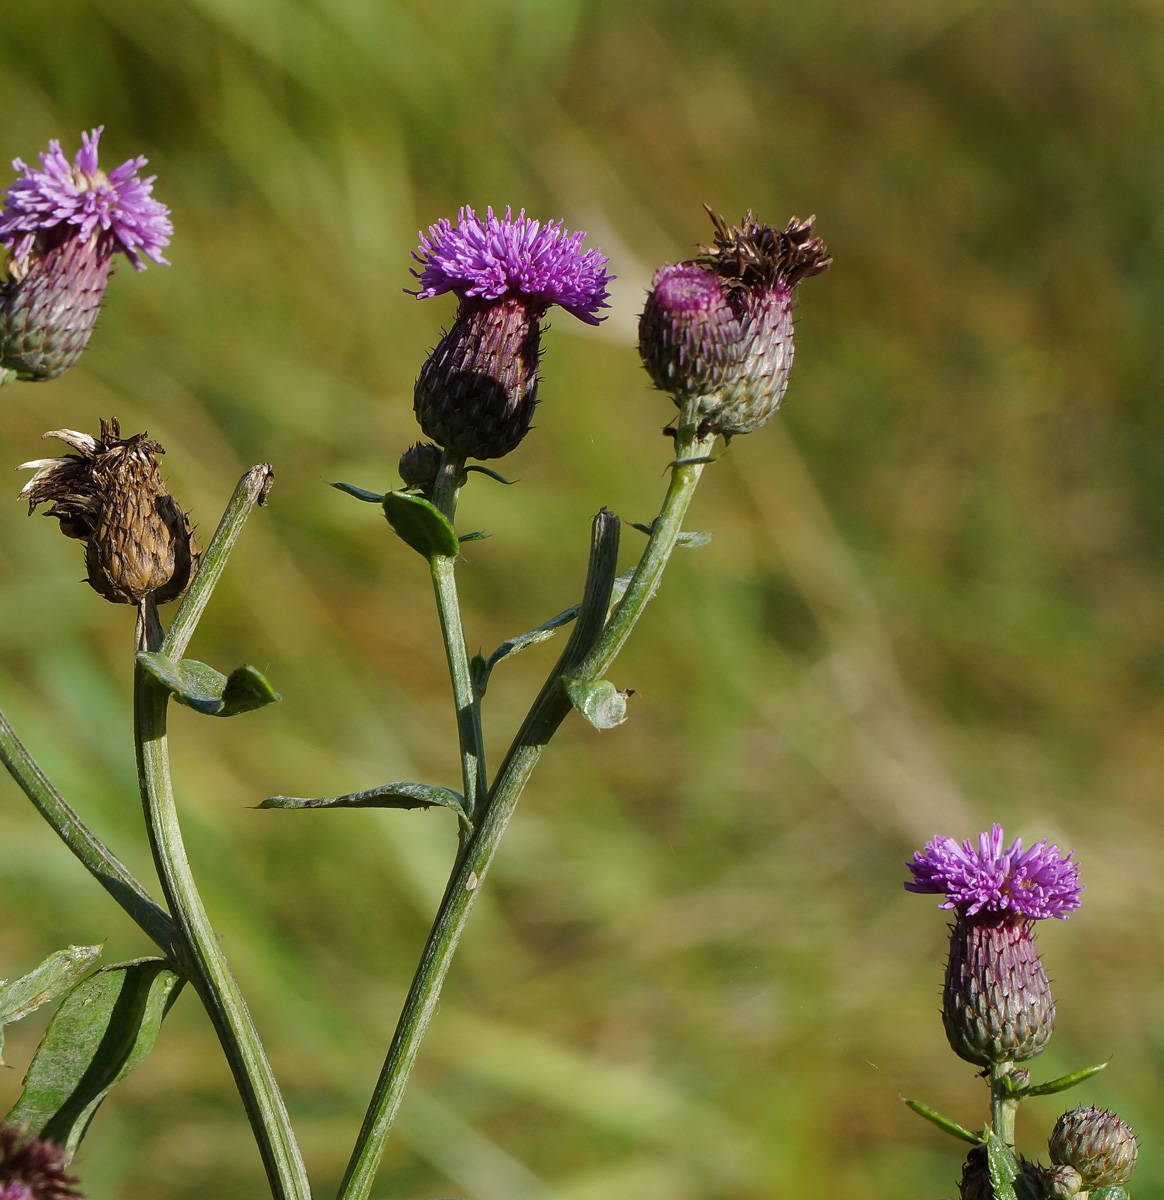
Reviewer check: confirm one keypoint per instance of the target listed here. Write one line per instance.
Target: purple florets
(515, 256)
(1029, 884)
(118, 205)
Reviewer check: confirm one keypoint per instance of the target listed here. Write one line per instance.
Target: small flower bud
(1100, 1146)
(419, 465)
(476, 393)
(62, 225)
(110, 494)
(717, 330)
(1062, 1183)
(975, 1183)
(33, 1170)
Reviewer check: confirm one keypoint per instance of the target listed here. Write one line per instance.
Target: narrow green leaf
(103, 1030)
(206, 690)
(492, 474)
(359, 492)
(421, 524)
(52, 979)
(1059, 1085)
(688, 541)
(944, 1123)
(391, 795)
(598, 700)
(473, 537)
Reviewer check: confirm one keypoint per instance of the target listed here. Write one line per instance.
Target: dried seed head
(1100, 1146)
(33, 1170)
(110, 494)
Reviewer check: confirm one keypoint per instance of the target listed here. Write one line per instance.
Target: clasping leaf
(206, 690)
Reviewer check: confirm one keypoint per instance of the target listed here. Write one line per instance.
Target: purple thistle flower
(476, 393)
(62, 225)
(1025, 884)
(497, 258)
(33, 1170)
(117, 205)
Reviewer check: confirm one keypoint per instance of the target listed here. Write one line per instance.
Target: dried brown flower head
(33, 1170)
(110, 494)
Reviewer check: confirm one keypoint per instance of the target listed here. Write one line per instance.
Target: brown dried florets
(110, 494)
(33, 1170)
(755, 255)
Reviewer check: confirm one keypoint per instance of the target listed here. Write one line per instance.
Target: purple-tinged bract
(515, 256)
(85, 200)
(1023, 884)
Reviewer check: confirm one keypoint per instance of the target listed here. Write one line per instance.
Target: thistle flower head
(513, 256)
(716, 331)
(82, 201)
(33, 1170)
(1023, 884)
(110, 495)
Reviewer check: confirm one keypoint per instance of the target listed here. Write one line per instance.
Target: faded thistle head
(476, 392)
(716, 331)
(110, 495)
(61, 226)
(996, 1002)
(33, 1170)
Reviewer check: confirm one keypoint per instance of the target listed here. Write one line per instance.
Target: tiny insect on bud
(110, 494)
(1098, 1144)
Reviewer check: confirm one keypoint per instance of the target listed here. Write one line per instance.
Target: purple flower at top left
(62, 225)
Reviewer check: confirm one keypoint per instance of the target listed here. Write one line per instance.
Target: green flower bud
(1100, 1146)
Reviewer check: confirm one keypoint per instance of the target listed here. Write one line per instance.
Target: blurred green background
(934, 597)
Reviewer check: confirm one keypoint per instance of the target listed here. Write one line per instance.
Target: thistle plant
(715, 334)
(998, 1012)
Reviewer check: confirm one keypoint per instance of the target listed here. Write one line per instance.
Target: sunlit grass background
(934, 598)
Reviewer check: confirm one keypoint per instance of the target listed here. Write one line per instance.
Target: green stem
(1002, 1105)
(200, 953)
(92, 852)
(589, 653)
(468, 704)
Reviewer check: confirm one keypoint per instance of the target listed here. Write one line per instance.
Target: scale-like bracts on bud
(61, 226)
(110, 494)
(996, 1002)
(716, 331)
(419, 465)
(33, 1170)
(476, 394)
(975, 1183)
(1098, 1144)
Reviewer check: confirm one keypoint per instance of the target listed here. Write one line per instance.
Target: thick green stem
(1002, 1105)
(589, 653)
(199, 951)
(468, 704)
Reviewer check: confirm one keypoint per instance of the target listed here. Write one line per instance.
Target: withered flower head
(32, 1170)
(110, 494)
(717, 330)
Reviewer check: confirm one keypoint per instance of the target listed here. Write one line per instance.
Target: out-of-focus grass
(934, 598)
